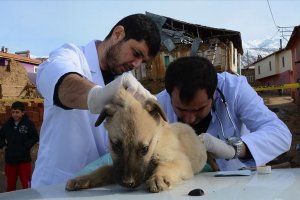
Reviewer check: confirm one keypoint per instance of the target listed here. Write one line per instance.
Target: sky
(44, 25)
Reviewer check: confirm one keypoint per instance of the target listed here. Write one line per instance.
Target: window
(233, 60)
(250, 78)
(167, 61)
(270, 65)
(35, 68)
(5, 62)
(2, 62)
(282, 60)
(258, 68)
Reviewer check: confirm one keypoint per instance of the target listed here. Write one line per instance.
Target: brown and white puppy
(144, 148)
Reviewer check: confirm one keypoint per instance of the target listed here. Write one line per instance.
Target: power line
(284, 30)
(272, 16)
(274, 34)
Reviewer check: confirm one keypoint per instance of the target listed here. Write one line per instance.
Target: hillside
(259, 48)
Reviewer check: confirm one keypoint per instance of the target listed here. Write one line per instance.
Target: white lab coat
(68, 138)
(264, 133)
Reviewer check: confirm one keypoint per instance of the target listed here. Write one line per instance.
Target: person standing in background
(17, 136)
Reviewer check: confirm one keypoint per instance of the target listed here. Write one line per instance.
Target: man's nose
(137, 63)
(189, 118)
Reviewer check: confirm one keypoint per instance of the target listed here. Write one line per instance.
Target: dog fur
(144, 148)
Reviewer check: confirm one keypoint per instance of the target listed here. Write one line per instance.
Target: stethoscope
(228, 114)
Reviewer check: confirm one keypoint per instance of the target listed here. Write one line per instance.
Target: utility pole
(285, 31)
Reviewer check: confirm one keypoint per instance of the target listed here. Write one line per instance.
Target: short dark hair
(189, 74)
(17, 105)
(140, 27)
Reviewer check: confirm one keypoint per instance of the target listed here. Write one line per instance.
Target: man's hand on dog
(217, 147)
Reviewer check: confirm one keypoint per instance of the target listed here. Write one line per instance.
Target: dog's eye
(144, 150)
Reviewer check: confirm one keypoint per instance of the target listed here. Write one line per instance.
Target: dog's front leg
(99, 177)
(167, 174)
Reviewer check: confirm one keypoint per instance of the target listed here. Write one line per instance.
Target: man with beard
(76, 82)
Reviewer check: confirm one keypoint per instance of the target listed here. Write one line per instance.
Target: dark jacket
(18, 140)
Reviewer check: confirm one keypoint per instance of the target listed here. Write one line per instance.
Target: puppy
(144, 148)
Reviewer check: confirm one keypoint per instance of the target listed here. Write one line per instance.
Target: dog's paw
(78, 184)
(157, 183)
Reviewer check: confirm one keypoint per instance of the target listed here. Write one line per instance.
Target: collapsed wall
(14, 82)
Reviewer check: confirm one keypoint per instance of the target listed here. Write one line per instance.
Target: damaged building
(221, 46)
(16, 72)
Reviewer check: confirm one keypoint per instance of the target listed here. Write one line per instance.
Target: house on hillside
(17, 74)
(294, 46)
(221, 46)
(275, 69)
(23, 57)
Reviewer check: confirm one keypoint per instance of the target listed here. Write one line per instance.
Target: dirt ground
(283, 106)
(289, 113)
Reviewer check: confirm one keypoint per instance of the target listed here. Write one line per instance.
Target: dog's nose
(128, 181)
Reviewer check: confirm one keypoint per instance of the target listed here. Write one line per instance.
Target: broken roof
(198, 31)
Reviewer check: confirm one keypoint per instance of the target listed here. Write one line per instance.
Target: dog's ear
(108, 111)
(154, 109)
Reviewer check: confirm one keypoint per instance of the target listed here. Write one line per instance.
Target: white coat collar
(91, 55)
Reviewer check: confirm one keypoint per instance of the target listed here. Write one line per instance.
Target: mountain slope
(259, 48)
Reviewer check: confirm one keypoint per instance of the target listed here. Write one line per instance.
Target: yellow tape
(276, 87)
(259, 88)
(37, 100)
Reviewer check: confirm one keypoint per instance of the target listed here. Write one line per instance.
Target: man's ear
(118, 34)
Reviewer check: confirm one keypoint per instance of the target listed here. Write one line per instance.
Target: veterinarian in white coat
(74, 83)
(259, 135)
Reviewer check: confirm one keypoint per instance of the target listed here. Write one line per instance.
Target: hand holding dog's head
(151, 105)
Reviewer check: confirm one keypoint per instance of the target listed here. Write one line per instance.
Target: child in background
(17, 135)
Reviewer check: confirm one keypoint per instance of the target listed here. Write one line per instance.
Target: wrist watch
(236, 143)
